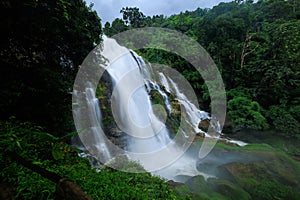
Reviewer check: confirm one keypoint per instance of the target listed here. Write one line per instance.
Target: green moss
(270, 166)
(100, 90)
(267, 189)
(156, 98)
(228, 189)
(184, 192)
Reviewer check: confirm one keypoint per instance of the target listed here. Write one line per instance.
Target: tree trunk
(65, 188)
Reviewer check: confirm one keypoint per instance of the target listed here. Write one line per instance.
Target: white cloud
(108, 10)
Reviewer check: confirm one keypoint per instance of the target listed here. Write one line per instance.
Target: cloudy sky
(108, 10)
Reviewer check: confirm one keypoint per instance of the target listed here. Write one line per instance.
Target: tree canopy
(42, 45)
(255, 46)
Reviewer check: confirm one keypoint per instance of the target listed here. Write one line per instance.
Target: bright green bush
(246, 114)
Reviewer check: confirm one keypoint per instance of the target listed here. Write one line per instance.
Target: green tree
(271, 10)
(273, 65)
(283, 121)
(255, 46)
(246, 114)
(107, 29)
(41, 48)
(116, 27)
(132, 16)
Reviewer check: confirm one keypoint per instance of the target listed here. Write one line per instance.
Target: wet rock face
(111, 130)
(204, 124)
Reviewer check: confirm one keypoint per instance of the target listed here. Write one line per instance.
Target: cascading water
(93, 105)
(93, 118)
(195, 115)
(148, 139)
(154, 86)
(134, 112)
(164, 82)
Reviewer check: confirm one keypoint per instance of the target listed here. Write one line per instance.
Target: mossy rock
(198, 184)
(247, 167)
(184, 192)
(274, 168)
(267, 179)
(203, 189)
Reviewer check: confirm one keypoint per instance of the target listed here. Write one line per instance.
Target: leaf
(18, 144)
(57, 154)
(69, 135)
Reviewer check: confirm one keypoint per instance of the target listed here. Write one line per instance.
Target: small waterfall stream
(94, 109)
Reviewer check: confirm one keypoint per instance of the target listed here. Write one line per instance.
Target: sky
(108, 10)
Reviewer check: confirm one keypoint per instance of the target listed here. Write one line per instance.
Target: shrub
(53, 154)
(246, 114)
(283, 121)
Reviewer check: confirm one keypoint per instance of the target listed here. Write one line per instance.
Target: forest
(255, 46)
(256, 42)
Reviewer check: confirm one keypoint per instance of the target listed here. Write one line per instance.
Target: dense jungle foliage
(255, 46)
(42, 45)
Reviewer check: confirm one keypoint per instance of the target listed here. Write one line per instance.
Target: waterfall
(134, 113)
(149, 141)
(89, 123)
(96, 118)
(150, 85)
(195, 115)
(164, 82)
